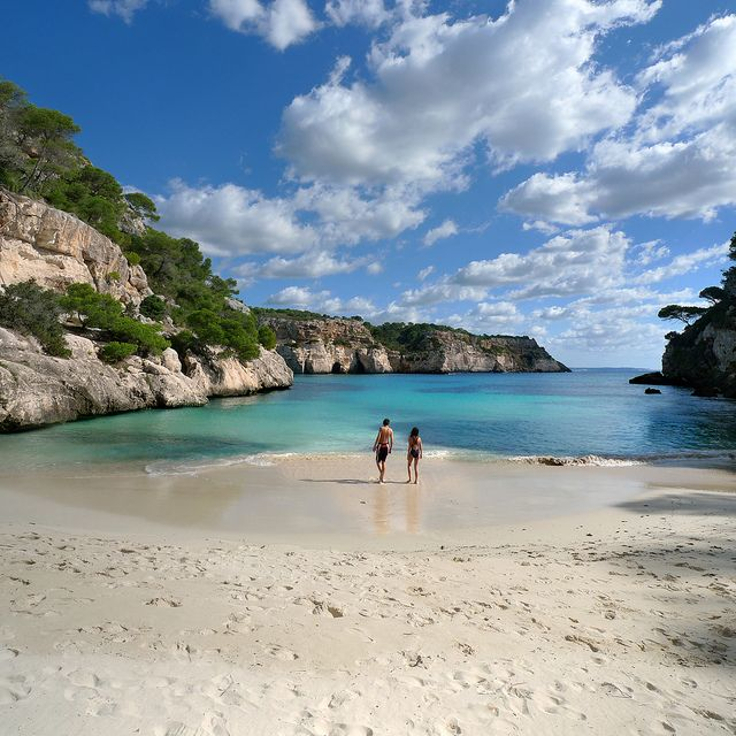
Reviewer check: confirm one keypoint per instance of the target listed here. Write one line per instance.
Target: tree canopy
(38, 157)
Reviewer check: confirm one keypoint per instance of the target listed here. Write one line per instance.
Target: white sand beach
(127, 608)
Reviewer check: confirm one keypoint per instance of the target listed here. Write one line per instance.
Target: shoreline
(610, 620)
(334, 500)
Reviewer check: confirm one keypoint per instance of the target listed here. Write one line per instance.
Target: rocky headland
(56, 249)
(335, 345)
(703, 356)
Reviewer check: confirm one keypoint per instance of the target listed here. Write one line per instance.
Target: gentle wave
(195, 467)
(271, 459)
(611, 462)
(584, 460)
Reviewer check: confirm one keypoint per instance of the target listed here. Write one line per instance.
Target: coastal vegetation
(39, 158)
(721, 299)
(703, 355)
(27, 308)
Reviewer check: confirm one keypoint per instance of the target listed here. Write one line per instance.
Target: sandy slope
(616, 622)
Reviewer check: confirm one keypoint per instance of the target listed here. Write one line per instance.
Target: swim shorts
(382, 453)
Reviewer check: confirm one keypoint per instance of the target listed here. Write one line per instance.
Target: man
(382, 447)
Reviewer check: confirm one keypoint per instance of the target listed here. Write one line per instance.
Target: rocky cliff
(703, 356)
(56, 249)
(333, 345)
(37, 389)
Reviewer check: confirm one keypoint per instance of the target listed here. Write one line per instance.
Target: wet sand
(487, 600)
(335, 501)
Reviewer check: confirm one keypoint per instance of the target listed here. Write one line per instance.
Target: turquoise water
(590, 412)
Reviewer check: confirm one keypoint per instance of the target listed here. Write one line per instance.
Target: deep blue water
(586, 412)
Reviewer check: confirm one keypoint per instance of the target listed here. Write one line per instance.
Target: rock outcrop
(57, 249)
(37, 389)
(334, 345)
(329, 346)
(703, 356)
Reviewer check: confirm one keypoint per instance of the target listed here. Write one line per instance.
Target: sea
(588, 416)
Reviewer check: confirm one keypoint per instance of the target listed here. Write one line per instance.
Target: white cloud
(231, 220)
(698, 76)
(302, 297)
(439, 87)
(313, 265)
(577, 262)
(686, 263)
(574, 263)
(281, 22)
(297, 296)
(124, 9)
(690, 178)
(371, 13)
(374, 268)
(488, 317)
(677, 159)
(649, 252)
(446, 230)
(347, 216)
(425, 273)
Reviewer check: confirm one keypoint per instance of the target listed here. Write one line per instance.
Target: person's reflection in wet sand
(381, 511)
(412, 510)
(383, 514)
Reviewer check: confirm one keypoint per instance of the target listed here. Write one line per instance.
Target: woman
(414, 455)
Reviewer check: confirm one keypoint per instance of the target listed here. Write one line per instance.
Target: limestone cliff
(334, 345)
(703, 356)
(36, 389)
(57, 249)
(329, 346)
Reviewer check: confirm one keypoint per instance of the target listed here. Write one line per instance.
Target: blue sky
(558, 168)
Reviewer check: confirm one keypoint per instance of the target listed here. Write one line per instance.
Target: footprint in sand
(285, 655)
(323, 727)
(13, 689)
(164, 602)
(7, 654)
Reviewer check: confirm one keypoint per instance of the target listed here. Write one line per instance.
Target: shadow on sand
(698, 503)
(352, 481)
(693, 571)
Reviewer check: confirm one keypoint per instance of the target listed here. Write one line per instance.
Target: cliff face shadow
(696, 503)
(687, 569)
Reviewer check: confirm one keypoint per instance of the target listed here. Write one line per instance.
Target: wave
(583, 460)
(619, 461)
(195, 467)
(270, 459)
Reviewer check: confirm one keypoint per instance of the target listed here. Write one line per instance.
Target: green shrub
(185, 341)
(133, 258)
(267, 337)
(102, 312)
(146, 337)
(114, 352)
(206, 324)
(113, 276)
(153, 307)
(31, 310)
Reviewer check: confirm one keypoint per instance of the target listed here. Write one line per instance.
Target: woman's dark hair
(414, 432)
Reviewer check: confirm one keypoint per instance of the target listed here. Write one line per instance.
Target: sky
(554, 168)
